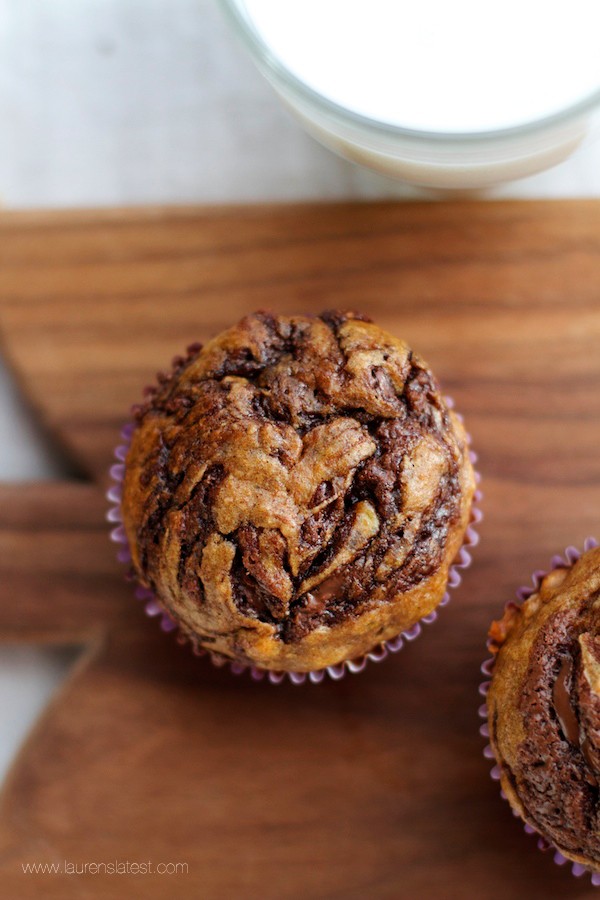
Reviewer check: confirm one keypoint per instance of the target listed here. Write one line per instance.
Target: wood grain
(371, 787)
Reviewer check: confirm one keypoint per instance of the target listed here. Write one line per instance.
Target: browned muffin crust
(289, 485)
(544, 708)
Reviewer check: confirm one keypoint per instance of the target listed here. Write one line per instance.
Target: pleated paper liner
(153, 607)
(570, 556)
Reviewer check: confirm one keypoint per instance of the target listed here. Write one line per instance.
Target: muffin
(543, 707)
(296, 491)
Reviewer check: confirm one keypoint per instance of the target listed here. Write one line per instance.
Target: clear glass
(467, 160)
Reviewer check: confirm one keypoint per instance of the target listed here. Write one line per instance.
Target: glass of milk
(441, 93)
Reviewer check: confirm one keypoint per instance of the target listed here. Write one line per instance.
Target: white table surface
(118, 102)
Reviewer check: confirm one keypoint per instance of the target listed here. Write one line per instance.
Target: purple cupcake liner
(154, 609)
(570, 556)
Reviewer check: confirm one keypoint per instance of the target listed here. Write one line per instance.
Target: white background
(119, 102)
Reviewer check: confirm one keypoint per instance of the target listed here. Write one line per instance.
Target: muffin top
(290, 477)
(544, 707)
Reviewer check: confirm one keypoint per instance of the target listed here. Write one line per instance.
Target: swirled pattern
(544, 708)
(296, 490)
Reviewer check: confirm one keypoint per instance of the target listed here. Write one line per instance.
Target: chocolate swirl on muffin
(296, 490)
(544, 708)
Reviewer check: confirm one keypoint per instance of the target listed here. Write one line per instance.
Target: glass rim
(261, 51)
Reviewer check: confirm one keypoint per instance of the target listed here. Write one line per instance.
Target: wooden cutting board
(370, 787)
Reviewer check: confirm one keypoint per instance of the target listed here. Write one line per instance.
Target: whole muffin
(544, 708)
(296, 491)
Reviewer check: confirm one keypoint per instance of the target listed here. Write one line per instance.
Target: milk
(441, 67)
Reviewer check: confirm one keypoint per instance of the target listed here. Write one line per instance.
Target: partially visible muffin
(296, 491)
(544, 708)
